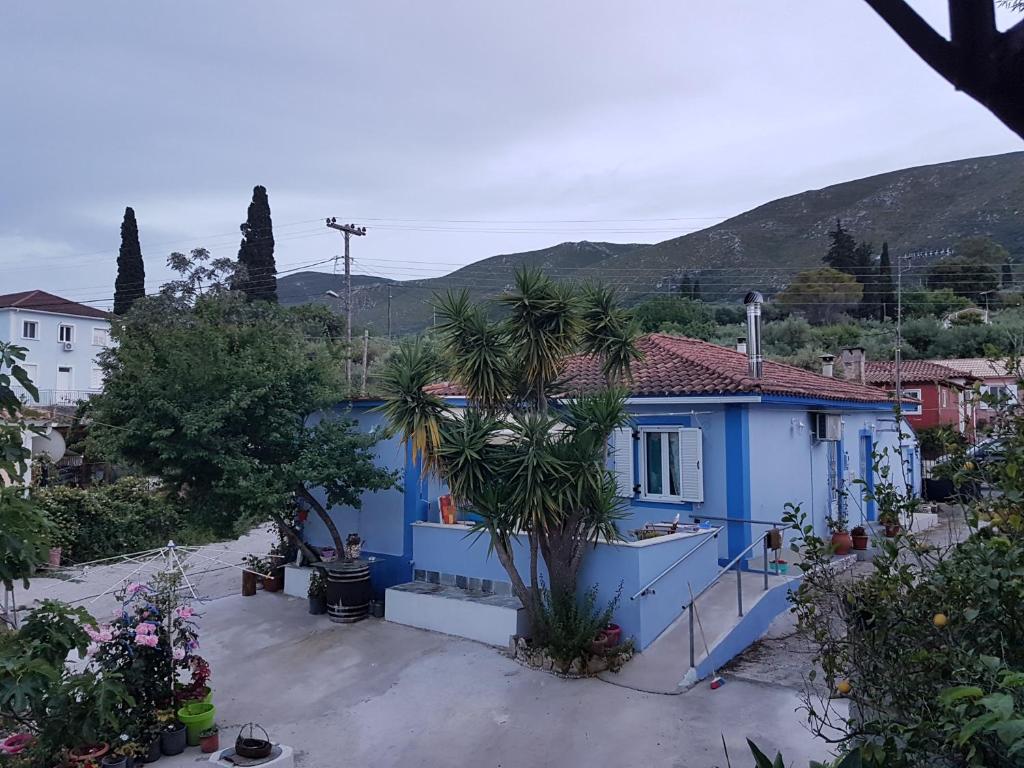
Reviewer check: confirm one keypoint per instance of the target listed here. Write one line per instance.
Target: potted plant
(860, 537)
(353, 546)
(317, 593)
(614, 634)
(88, 753)
(209, 740)
(172, 734)
(891, 523)
(121, 755)
(255, 567)
(842, 543)
(197, 717)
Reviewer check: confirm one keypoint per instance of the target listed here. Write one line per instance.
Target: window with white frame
(101, 337)
(945, 396)
(96, 378)
(671, 464)
(65, 332)
(997, 394)
(29, 329)
(912, 409)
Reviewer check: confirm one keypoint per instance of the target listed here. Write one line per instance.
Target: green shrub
(107, 520)
(569, 624)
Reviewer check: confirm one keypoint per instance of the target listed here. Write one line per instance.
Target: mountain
(410, 304)
(920, 211)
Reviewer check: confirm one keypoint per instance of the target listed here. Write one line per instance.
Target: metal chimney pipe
(828, 365)
(755, 363)
(741, 344)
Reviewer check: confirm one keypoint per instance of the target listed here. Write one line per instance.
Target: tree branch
(916, 33)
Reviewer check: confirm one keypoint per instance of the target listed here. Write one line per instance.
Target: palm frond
(476, 348)
(411, 411)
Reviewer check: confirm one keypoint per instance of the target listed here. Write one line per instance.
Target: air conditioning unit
(826, 426)
(68, 346)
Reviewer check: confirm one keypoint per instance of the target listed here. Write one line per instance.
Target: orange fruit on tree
(940, 620)
(844, 687)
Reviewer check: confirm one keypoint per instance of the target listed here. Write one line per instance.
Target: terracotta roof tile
(979, 367)
(911, 371)
(678, 366)
(47, 302)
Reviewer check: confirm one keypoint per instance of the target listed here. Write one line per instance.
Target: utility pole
(366, 348)
(899, 332)
(347, 230)
(389, 311)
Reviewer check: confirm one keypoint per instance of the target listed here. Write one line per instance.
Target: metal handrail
(657, 578)
(739, 586)
(739, 520)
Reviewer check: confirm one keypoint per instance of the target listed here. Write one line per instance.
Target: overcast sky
(452, 130)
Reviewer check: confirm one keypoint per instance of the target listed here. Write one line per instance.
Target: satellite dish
(51, 445)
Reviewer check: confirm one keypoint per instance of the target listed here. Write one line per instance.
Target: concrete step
(487, 618)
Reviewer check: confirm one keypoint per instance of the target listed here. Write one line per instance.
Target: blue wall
(633, 565)
(46, 353)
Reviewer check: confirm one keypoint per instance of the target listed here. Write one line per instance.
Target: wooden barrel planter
(348, 590)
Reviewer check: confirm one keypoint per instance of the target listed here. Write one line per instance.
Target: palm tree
(529, 452)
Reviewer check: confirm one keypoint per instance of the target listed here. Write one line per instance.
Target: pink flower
(179, 654)
(145, 628)
(135, 587)
(147, 640)
(105, 635)
(185, 612)
(92, 649)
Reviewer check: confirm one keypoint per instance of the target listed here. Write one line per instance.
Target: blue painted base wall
(450, 549)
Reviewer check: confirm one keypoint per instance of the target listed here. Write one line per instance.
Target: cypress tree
(842, 251)
(256, 253)
(886, 289)
(130, 283)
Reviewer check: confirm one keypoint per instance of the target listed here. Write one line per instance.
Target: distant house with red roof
(942, 393)
(993, 377)
(63, 338)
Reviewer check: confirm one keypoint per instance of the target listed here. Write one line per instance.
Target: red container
(614, 634)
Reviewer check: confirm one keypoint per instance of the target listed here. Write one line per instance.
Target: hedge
(106, 520)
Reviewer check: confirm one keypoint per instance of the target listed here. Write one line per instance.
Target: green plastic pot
(197, 717)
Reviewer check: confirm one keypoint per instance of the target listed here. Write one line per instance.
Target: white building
(63, 339)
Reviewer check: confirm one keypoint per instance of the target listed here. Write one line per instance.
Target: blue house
(719, 441)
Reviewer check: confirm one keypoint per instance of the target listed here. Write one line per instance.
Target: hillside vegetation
(919, 211)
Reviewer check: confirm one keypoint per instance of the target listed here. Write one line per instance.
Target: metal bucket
(348, 590)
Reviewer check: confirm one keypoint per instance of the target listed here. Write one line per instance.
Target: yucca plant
(528, 453)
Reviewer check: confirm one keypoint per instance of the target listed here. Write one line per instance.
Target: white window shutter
(622, 460)
(691, 460)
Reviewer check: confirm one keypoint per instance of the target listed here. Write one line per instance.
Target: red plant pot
(860, 542)
(14, 744)
(614, 634)
(88, 754)
(249, 582)
(209, 743)
(271, 584)
(842, 543)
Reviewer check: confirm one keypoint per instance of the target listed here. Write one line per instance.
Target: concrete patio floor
(381, 694)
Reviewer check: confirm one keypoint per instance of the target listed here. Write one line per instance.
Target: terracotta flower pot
(87, 754)
(271, 583)
(842, 542)
(860, 542)
(614, 634)
(54, 556)
(209, 743)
